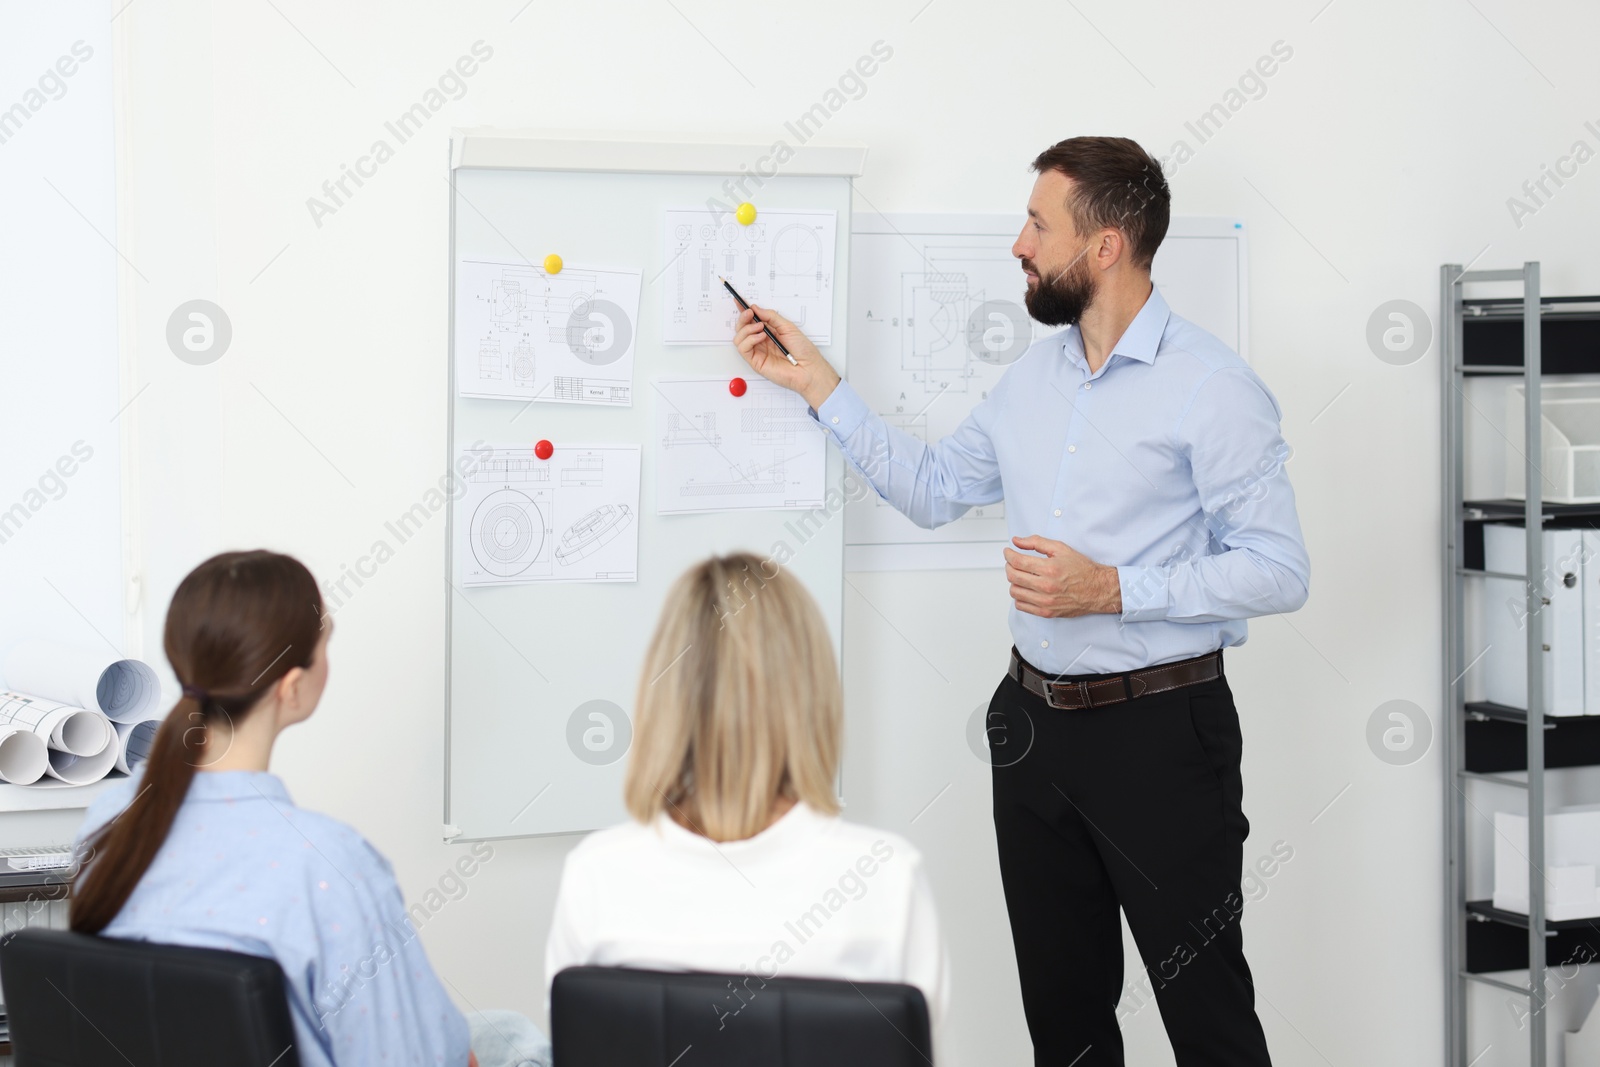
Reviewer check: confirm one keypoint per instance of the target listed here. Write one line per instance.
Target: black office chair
(618, 1017)
(81, 1001)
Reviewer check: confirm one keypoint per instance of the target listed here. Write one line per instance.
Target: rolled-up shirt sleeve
(1255, 561)
(931, 484)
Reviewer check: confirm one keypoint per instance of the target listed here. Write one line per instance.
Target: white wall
(61, 551)
(1386, 145)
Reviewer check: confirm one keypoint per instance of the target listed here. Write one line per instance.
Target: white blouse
(811, 896)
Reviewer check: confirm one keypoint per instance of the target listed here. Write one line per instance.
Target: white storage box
(1569, 442)
(1571, 855)
(1571, 670)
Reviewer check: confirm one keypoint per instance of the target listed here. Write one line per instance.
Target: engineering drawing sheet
(524, 334)
(570, 518)
(936, 317)
(783, 260)
(720, 452)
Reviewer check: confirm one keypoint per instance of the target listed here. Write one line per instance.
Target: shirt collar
(238, 785)
(1141, 340)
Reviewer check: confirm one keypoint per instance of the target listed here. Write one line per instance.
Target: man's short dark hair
(1116, 183)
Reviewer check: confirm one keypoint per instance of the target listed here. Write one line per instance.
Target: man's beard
(1062, 299)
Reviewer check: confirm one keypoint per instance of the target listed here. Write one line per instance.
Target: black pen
(728, 286)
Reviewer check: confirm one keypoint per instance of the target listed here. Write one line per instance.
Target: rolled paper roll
(77, 731)
(125, 690)
(23, 755)
(82, 770)
(133, 742)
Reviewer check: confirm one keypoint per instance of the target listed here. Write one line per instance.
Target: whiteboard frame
(712, 155)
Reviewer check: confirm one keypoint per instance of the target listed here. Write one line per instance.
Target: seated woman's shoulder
(829, 842)
(104, 807)
(883, 848)
(623, 839)
(332, 840)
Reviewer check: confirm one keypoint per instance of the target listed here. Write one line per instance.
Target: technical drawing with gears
(509, 534)
(718, 452)
(505, 530)
(593, 532)
(936, 317)
(938, 314)
(783, 260)
(524, 334)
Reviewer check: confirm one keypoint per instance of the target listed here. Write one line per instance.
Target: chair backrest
(619, 1017)
(81, 1001)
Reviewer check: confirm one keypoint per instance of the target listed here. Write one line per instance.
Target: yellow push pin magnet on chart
(745, 213)
(552, 264)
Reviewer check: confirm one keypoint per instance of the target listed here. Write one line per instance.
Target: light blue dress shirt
(1167, 463)
(244, 869)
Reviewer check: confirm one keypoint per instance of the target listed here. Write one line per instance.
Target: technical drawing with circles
(509, 533)
(524, 334)
(936, 317)
(567, 518)
(784, 260)
(718, 452)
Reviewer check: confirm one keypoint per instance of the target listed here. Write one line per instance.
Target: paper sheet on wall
(783, 260)
(525, 334)
(571, 518)
(720, 452)
(936, 317)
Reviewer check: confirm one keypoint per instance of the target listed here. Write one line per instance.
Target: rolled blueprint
(76, 769)
(23, 755)
(75, 731)
(125, 690)
(133, 742)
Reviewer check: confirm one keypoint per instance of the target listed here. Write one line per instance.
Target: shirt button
(1070, 448)
(836, 420)
(1058, 513)
(1044, 644)
(1088, 385)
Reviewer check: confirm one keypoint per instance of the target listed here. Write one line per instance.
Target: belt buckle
(1082, 686)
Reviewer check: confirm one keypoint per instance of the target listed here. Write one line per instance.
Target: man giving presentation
(1142, 469)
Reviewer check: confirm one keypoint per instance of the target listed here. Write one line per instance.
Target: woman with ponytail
(207, 849)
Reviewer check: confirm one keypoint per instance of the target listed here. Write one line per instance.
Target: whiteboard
(937, 314)
(541, 678)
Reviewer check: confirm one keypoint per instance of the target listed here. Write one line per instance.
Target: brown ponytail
(238, 623)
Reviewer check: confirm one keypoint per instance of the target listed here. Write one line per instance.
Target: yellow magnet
(552, 264)
(745, 213)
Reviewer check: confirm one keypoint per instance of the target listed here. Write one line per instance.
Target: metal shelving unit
(1483, 741)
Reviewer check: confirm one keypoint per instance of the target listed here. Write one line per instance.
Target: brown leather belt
(1097, 690)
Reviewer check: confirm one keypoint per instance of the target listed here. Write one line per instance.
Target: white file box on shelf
(1569, 442)
(1505, 608)
(1571, 856)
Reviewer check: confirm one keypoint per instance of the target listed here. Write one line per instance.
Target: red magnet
(543, 449)
(738, 386)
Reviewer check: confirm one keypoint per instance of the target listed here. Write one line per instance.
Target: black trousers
(1133, 807)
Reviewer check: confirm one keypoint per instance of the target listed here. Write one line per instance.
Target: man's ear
(1111, 248)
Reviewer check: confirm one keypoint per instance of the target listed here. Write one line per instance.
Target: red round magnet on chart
(543, 449)
(738, 386)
